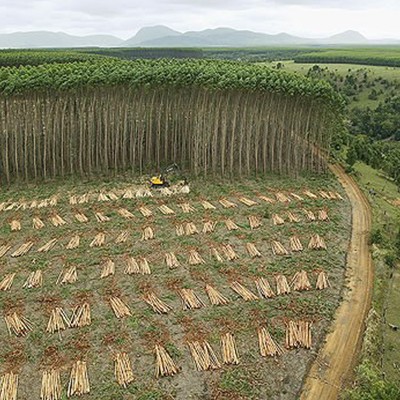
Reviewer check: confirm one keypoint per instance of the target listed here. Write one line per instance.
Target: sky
(123, 18)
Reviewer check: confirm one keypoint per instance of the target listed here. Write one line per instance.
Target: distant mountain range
(162, 36)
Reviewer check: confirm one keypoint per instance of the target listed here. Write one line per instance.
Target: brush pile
(323, 215)
(7, 282)
(268, 347)
(227, 203)
(51, 385)
(322, 281)
(123, 212)
(57, 221)
(23, 249)
(136, 267)
(37, 223)
(282, 286)
(68, 275)
(190, 301)
(81, 217)
(295, 244)
(58, 321)
(171, 260)
(123, 369)
(230, 225)
(203, 356)
(216, 298)
(316, 243)
(100, 217)
(120, 309)
(122, 237)
(78, 380)
(278, 249)
(264, 288)
(195, 258)
(207, 205)
(81, 316)
(266, 199)
(156, 304)
(99, 240)
(300, 281)
(146, 212)
(298, 334)
(247, 202)
(48, 246)
(186, 208)
(229, 351)
(252, 250)
(19, 325)
(34, 280)
(108, 268)
(4, 250)
(242, 291)
(215, 253)
(309, 215)
(277, 220)
(9, 386)
(292, 217)
(229, 253)
(165, 366)
(209, 226)
(310, 195)
(148, 233)
(166, 210)
(190, 229)
(73, 243)
(254, 221)
(15, 225)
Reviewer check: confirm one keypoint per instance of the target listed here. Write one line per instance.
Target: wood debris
(23, 249)
(296, 196)
(123, 212)
(333, 195)
(57, 221)
(7, 282)
(216, 298)
(252, 250)
(19, 325)
(322, 281)
(323, 215)
(9, 386)
(242, 291)
(112, 196)
(180, 229)
(264, 288)
(108, 268)
(268, 347)
(146, 212)
(190, 301)
(227, 203)
(51, 385)
(295, 244)
(190, 229)
(148, 233)
(48, 246)
(278, 249)
(229, 351)
(68, 275)
(309, 215)
(207, 205)
(129, 194)
(37, 223)
(215, 254)
(203, 356)
(4, 250)
(73, 200)
(58, 321)
(282, 286)
(254, 221)
(209, 226)
(229, 253)
(298, 334)
(324, 195)
(282, 198)
(186, 208)
(98, 240)
(195, 258)
(165, 366)
(15, 225)
(316, 243)
(81, 316)
(171, 260)
(123, 369)
(300, 281)
(122, 237)
(310, 195)
(248, 202)
(100, 217)
(292, 217)
(230, 225)
(73, 242)
(166, 210)
(79, 380)
(134, 267)
(144, 266)
(277, 220)
(339, 196)
(84, 198)
(156, 304)
(266, 199)
(120, 309)
(103, 197)
(81, 217)
(34, 280)
(143, 192)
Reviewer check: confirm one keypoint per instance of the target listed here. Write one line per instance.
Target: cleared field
(166, 285)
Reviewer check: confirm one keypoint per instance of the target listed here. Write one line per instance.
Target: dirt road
(333, 366)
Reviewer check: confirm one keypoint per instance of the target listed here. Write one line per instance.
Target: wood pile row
(296, 196)
(48, 246)
(4, 250)
(310, 195)
(230, 225)
(108, 268)
(123, 212)
(264, 288)
(195, 258)
(73, 243)
(229, 253)
(186, 208)
(282, 198)
(278, 249)
(23, 249)
(100, 217)
(57, 221)
(190, 229)
(298, 334)
(203, 356)
(323, 215)
(254, 221)
(120, 309)
(295, 244)
(227, 203)
(129, 194)
(322, 281)
(171, 260)
(136, 267)
(268, 347)
(317, 243)
(209, 226)
(309, 215)
(252, 250)
(166, 210)
(99, 240)
(300, 281)
(165, 366)
(143, 192)
(123, 369)
(190, 301)
(215, 253)
(242, 291)
(81, 316)
(207, 205)
(51, 385)
(216, 298)
(81, 217)
(248, 202)
(266, 199)
(58, 321)
(122, 237)
(148, 233)
(9, 386)
(34, 280)
(37, 223)
(292, 217)
(68, 275)
(277, 220)
(282, 286)
(19, 325)
(180, 229)
(7, 282)
(15, 225)
(156, 303)
(79, 380)
(146, 212)
(229, 351)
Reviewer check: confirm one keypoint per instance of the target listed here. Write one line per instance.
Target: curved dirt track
(333, 366)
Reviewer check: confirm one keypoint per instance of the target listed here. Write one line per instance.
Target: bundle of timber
(122, 237)
(123, 212)
(51, 385)
(171, 260)
(203, 356)
(15, 225)
(322, 281)
(9, 386)
(4, 248)
(73, 243)
(7, 282)
(166, 210)
(278, 249)
(81, 217)
(226, 203)
(295, 244)
(339, 196)
(134, 267)
(58, 321)
(148, 233)
(324, 195)
(156, 304)
(247, 202)
(100, 217)
(180, 229)
(242, 291)
(57, 221)
(48, 246)
(207, 205)
(230, 225)
(266, 199)
(84, 198)
(108, 268)
(99, 240)
(128, 194)
(282, 198)
(292, 217)
(190, 301)
(123, 369)
(73, 200)
(323, 215)
(195, 258)
(209, 226)
(229, 253)
(300, 281)
(37, 223)
(81, 316)
(143, 192)
(309, 215)
(103, 197)
(252, 250)
(165, 366)
(23, 249)
(146, 212)
(190, 229)
(296, 196)
(282, 286)
(310, 195)
(254, 221)
(112, 196)
(68, 275)
(298, 334)
(216, 298)
(120, 309)
(268, 347)
(215, 253)
(277, 220)
(17, 324)
(316, 243)
(264, 288)
(186, 208)
(229, 351)
(78, 380)
(34, 280)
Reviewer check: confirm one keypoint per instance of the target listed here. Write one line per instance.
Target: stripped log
(323, 216)
(322, 281)
(37, 223)
(282, 198)
(229, 253)
(317, 243)
(292, 217)
(4, 249)
(209, 226)
(148, 233)
(309, 215)
(207, 205)
(277, 220)
(99, 240)
(230, 225)
(248, 202)
(227, 203)
(298, 334)
(68, 275)
(186, 208)
(190, 229)
(108, 268)
(195, 258)
(57, 221)
(100, 217)
(81, 217)
(23, 249)
(166, 210)
(122, 237)
(15, 225)
(266, 199)
(9, 386)
(123, 212)
(215, 253)
(48, 246)
(146, 212)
